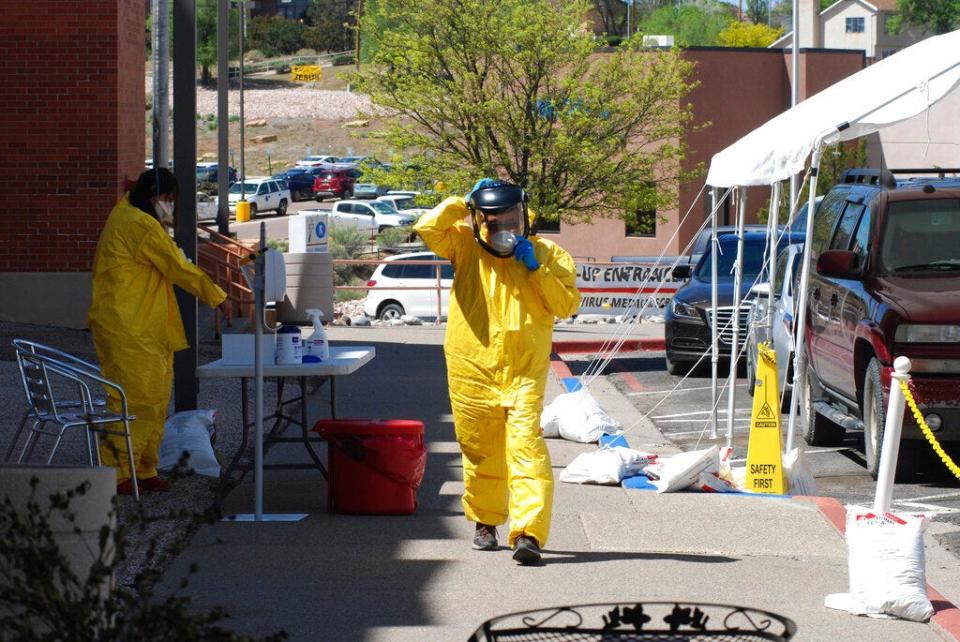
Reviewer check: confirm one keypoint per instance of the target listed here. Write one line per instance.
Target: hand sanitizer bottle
(316, 348)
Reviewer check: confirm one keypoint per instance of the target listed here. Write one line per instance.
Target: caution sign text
(764, 463)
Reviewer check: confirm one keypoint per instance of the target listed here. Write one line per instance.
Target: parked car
(300, 181)
(403, 202)
(385, 303)
(210, 173)
(884, 282)
(263, 194)
(702, 241)
(688, 318)
(368, 190)
(317, 160)
(780, 334)
(382, 214)
(206, 207)
(799, 223)
(335, 182)
(346, 162)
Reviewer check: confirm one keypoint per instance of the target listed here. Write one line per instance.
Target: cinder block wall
(71, 132)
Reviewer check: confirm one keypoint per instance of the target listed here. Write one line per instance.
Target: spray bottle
(316, 348)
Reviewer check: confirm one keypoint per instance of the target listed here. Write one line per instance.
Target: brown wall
(739, 90)
(71, 125)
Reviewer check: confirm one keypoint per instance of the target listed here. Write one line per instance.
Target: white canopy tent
(889, 91)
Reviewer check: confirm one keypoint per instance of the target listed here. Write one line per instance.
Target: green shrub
(351, 295)
(45, 599)
(343, 59)
(393, 236)
(234, 118)
(348, 243)
(254, 55)
(614, 41)
(305, 52)
(280, 245)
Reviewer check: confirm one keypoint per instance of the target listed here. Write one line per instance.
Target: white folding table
(343, 360)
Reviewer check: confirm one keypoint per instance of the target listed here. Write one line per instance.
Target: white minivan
(385, 301)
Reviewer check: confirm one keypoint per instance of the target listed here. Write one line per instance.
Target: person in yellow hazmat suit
(508, 288)
(135, 321)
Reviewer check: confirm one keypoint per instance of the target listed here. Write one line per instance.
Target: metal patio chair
(40, 367)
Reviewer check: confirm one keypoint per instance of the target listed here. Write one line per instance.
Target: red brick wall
(71, 125)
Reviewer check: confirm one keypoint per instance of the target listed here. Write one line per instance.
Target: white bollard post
(891, 436)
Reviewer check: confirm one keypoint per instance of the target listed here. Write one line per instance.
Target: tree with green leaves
(757, 11)
(207, 37)
(515, 89)
(612, 14)
(746, 34)
(939, 16)
(692, 25)
(274, 35)
(332, 25)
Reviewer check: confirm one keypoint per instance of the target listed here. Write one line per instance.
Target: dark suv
(884, 282)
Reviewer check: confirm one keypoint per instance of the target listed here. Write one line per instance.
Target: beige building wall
(833, 28)
(930, 139)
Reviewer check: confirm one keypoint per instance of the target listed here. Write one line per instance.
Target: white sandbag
(683, 469)
(800, 480)
(577, 416)
(606, 466)
(190, 431)
(886, 565)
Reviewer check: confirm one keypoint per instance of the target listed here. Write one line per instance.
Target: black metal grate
(647, 621)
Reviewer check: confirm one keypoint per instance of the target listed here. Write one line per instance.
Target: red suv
(335, 182)
(886, 283)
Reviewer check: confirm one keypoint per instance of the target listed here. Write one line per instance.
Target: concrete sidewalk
(340, 577)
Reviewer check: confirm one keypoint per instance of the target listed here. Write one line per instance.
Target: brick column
(72, 130)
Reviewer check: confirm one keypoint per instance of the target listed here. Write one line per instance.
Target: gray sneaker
(485, 538)
(526, 551)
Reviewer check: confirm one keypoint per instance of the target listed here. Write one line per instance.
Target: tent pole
(714, 346)
(800, 312)
(735, 317)
(772, 224)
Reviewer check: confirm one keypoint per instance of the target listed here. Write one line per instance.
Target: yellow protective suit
(497, 346)
(136, 325)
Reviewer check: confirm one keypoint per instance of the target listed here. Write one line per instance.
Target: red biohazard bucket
(375, 465)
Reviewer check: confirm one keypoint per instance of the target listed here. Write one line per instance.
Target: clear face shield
(498, 228)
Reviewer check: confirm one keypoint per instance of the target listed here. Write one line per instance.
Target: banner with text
(626, 288)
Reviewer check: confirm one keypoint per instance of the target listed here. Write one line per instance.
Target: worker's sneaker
(526, 551)
(154, 484)
(485, 538)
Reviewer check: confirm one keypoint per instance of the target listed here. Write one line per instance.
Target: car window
(393, 270)
(845, 228)
(753, 254)
(263, 189)
(824, 219)
(861, 239)
(346, 208)
(920, 233)
(420, 271)
(382, 208)
(781, 268)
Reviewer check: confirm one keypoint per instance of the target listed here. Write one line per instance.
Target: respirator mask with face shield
(499, 215)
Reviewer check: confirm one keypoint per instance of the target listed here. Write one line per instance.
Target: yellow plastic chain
(944, 457)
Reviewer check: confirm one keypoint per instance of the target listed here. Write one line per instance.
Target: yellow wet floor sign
(764, 464)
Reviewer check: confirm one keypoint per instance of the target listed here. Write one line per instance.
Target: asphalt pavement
(348, 577)
(415, 577)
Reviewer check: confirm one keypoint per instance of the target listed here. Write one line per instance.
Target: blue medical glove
(523, 252)
(483, 183)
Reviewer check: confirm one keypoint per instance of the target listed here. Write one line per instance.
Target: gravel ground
(289, 103)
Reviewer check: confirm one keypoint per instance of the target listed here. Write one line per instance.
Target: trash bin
(375, 466)
(635, 621)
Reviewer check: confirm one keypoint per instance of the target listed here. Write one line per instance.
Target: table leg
(304, 429)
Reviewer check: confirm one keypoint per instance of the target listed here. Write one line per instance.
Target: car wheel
(677, 367)
(253, 211)
(282, 208)
(390, 311)
(874, 424)
(298, 195)
(319, 199)
(816, 429)
(347, 193)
